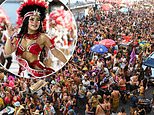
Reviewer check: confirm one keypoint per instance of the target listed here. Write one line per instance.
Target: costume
(35, 49)
(27, 9)
(31, 7)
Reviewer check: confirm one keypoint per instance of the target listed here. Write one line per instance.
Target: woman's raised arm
(10, 45)
(56, 52)
(59, 54)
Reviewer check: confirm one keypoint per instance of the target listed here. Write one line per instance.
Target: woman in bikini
(31, 40)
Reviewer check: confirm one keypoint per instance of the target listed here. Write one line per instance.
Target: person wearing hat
(31, 41)
(18, 108)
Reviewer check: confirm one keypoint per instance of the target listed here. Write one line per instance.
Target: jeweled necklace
(32, 36)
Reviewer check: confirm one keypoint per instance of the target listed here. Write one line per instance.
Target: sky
(10, 10)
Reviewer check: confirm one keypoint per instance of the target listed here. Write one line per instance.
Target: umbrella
(124, 10)
(144, 44)
(107, 42)
(149, 61)
(106, 7)
(98, 48)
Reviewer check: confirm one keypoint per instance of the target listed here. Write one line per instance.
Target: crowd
(91, 83)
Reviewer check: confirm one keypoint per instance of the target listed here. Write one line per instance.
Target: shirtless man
(122, 83)
(115, 96)
(134, 82)
(100, 110)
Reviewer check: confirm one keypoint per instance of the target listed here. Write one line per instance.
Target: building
(80, 9)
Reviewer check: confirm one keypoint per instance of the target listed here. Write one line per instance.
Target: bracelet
(5, 33)
(11, 38)
(14, 34)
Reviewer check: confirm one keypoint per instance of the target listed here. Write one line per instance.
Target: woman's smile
(34, 23)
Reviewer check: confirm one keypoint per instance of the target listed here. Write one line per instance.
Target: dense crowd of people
(91, 83)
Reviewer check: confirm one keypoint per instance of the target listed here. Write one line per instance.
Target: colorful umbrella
(107, 42)
(124, 10)
(144, 44)
(98, 48)
(106, 7)
(149, 61)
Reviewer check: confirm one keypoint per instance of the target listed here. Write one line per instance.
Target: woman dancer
(31, 39)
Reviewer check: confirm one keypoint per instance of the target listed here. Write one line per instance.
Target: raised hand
(10, 31)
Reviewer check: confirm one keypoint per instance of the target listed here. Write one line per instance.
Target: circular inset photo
(37, 38)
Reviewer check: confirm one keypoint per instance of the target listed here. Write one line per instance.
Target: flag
(132, 57)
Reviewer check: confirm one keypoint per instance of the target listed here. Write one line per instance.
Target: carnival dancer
(31, 39)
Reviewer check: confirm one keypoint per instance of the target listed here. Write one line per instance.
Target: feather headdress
(31, 7)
